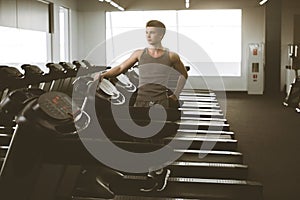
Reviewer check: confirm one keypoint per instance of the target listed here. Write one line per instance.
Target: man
(155, 64)
(152, 62)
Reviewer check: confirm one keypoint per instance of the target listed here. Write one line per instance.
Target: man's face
(153, 35)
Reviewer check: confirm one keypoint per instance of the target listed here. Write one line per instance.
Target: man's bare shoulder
(137, 53)
(174, 56)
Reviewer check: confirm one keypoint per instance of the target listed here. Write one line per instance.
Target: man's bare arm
(124, 66)
(178, 65)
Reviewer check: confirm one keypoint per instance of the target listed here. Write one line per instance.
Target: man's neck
(155, 51)
(156, 47)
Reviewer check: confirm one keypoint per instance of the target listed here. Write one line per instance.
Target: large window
(19, 46)
(216, 32)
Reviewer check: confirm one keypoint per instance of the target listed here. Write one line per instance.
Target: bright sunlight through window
(217, 32)
(19, 46)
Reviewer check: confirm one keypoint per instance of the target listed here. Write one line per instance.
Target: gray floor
(269, 137)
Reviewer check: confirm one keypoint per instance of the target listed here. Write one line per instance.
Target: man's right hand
(97, 76)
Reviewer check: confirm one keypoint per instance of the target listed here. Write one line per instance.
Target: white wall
(91, 33)
(91, 30)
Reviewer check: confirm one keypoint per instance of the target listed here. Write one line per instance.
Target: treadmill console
(108, 91)
(55, 111)
(15, 101)
(56, 104)
(125, 83)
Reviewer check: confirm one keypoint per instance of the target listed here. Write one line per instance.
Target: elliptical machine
(292, 98)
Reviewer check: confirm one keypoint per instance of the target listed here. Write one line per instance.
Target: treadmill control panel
(57, 105)
(107, 87)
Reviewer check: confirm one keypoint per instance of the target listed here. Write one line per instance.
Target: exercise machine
(33, 76)
(11, 78)
(45, 161)
(71, 73)
(55, 77)
(292, 98)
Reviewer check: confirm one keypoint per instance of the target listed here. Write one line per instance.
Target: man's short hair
(157, 24)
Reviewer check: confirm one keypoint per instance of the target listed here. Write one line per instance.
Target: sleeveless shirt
(153, 76)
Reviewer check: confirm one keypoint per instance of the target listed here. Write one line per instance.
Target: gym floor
(268, 135)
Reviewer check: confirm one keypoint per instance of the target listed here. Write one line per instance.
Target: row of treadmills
(42, 151)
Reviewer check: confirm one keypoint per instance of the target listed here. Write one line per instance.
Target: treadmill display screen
(57, 105)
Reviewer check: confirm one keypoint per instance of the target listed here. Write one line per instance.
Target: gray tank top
(153, 76)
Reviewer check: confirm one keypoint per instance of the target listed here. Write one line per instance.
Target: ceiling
(167, 4)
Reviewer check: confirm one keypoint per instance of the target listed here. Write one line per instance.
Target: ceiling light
(121, 8)
(262, 2)
(187, 3)
(114, 4)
